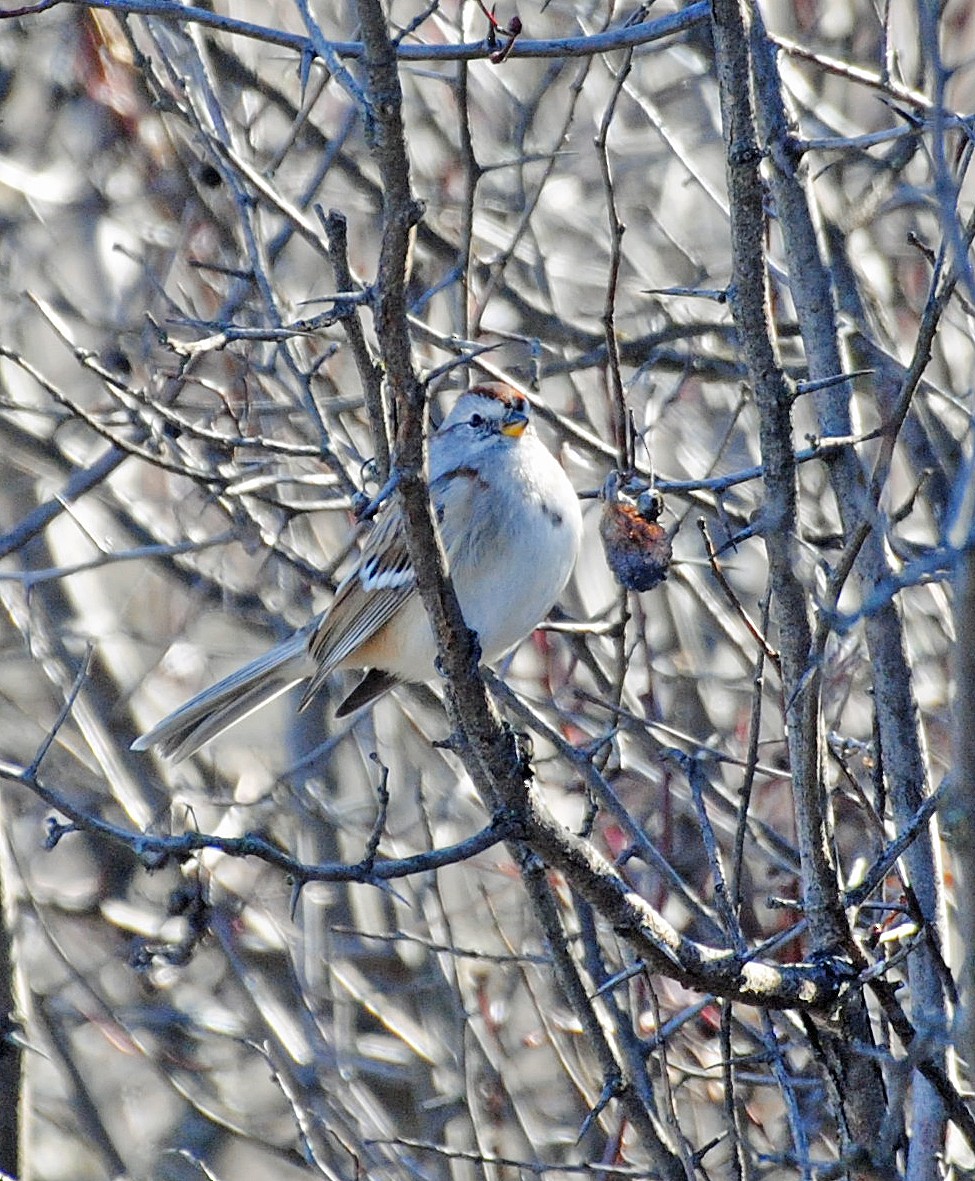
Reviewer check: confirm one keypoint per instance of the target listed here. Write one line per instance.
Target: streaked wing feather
(369, 597)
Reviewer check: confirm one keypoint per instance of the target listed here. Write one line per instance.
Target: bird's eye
(477, 420)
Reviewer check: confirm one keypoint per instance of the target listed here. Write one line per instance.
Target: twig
(622, 37)
(155, 850)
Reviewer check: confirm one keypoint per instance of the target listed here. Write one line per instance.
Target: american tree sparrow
(511, 527)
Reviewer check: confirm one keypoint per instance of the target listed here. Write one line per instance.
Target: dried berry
(638, 549)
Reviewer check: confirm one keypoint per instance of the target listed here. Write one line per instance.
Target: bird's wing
(381, 583)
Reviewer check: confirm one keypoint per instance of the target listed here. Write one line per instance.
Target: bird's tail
(228, 701)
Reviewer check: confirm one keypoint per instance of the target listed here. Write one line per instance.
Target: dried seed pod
(638, 549)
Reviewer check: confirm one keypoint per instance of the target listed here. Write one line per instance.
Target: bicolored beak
(515, 422)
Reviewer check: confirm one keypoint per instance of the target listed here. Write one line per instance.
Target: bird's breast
(513, 560)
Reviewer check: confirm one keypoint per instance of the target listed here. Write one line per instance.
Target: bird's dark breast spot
(466, 473)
